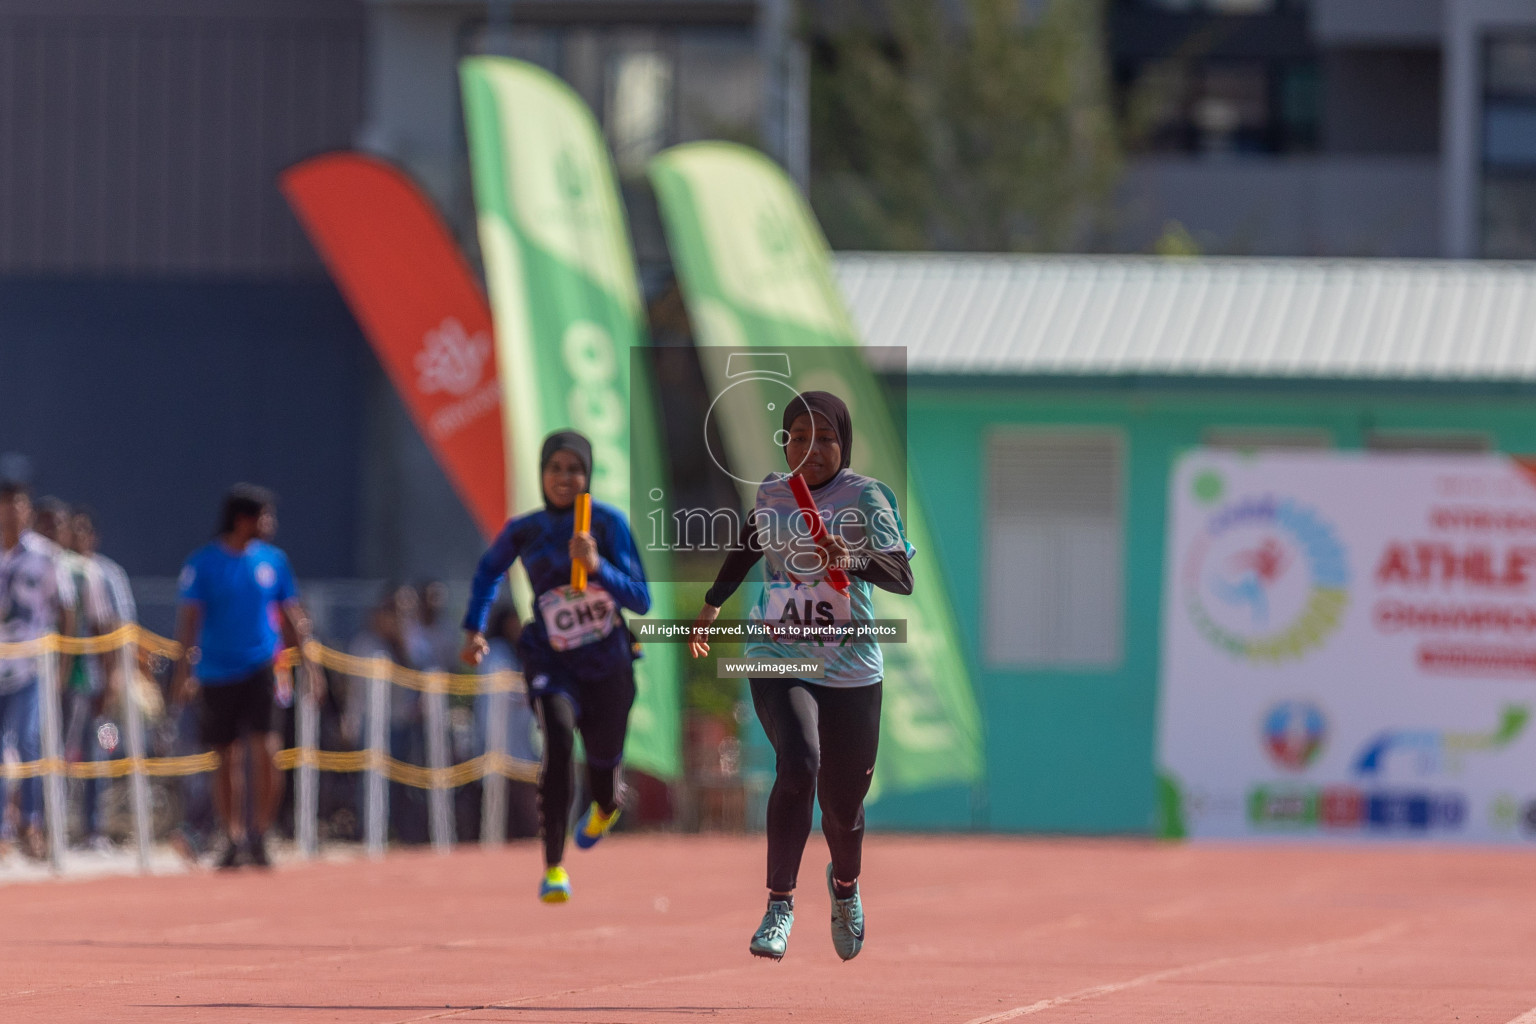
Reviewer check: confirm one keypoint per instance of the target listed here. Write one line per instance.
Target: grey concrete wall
(1302, 206)
(1376, 22)
(147, 399)
(412, 524)
(412, 103)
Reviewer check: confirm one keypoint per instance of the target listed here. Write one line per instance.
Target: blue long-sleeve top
(542, 540)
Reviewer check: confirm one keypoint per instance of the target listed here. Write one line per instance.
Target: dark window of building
(1219, 105)
(1509, 145)
(1216, 76)
(1509, 139)
(1511, 65)
(1219, 6)
(1381, 101)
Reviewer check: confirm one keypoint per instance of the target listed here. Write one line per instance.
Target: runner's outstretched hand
(699, 644)
(475, 648)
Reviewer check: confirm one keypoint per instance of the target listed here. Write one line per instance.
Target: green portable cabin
(1047, 399)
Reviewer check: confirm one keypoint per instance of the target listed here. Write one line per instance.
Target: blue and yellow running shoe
(847, 921)
(594, 825)
(556, 886)
(772, 937)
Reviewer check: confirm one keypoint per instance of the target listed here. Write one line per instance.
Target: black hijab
(566, 440)
(823, 407)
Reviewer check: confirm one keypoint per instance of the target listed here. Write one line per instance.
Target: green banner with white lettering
(567, 312)
(756, 273)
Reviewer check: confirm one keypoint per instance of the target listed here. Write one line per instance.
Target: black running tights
(824, 739)
(603, 735)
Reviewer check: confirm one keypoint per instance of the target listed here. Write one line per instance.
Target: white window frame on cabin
(1405, 441)
(1053, 575)
(1266, 439)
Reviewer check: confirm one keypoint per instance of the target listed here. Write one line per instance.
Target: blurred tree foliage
(983, 125)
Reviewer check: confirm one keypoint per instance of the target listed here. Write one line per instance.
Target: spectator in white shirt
(37, 597)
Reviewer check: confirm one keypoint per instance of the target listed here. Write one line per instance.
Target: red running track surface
(960, 930)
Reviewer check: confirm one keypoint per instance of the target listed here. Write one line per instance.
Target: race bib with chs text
(575, 618)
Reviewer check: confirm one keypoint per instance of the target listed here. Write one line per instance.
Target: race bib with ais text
(792, 610)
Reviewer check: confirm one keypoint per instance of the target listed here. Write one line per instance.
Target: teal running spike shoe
(594, 825)
(555, 887)
(847, 921)
(772, 937)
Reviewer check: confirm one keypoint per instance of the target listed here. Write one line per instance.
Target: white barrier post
(376, 814)
(138, 782)
(440, 821)
(54, 816)
(307, 785)
(493, 793)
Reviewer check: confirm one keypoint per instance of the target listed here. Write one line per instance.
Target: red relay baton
(797, 484)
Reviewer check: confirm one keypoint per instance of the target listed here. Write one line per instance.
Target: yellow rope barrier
(415, 775)
(54, 643)
(426, 682)
(458, 684)
(402, 772)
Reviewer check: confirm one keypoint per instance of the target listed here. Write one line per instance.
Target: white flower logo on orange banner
(451, 360)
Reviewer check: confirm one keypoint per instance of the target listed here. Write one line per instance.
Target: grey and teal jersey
(862, 511)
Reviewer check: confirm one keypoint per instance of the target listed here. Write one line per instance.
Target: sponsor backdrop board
(1349, 648)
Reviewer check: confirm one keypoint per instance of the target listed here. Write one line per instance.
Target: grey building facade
(655, 73)
(1330, 127)
(166, 329)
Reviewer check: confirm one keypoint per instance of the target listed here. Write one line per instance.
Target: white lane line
(1072, 921)
(1364, 939)
(1528, 1017)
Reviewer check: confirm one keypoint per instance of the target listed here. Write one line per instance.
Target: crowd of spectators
(53, 578)
(413, 627)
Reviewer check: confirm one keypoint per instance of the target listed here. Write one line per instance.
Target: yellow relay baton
(583, 525)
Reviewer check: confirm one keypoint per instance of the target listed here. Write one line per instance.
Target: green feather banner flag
(567, 311)
(756, 273)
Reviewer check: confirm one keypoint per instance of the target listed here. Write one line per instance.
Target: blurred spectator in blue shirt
(225, 625)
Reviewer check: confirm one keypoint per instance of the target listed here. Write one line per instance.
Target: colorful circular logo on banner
(1294, 732)
(1266, 579)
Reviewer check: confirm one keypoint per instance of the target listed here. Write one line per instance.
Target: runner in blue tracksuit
(577, 655)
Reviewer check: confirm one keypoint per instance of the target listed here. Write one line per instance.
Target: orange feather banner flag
(421, 308)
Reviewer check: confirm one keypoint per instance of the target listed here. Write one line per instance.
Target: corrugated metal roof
(1083, 315)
